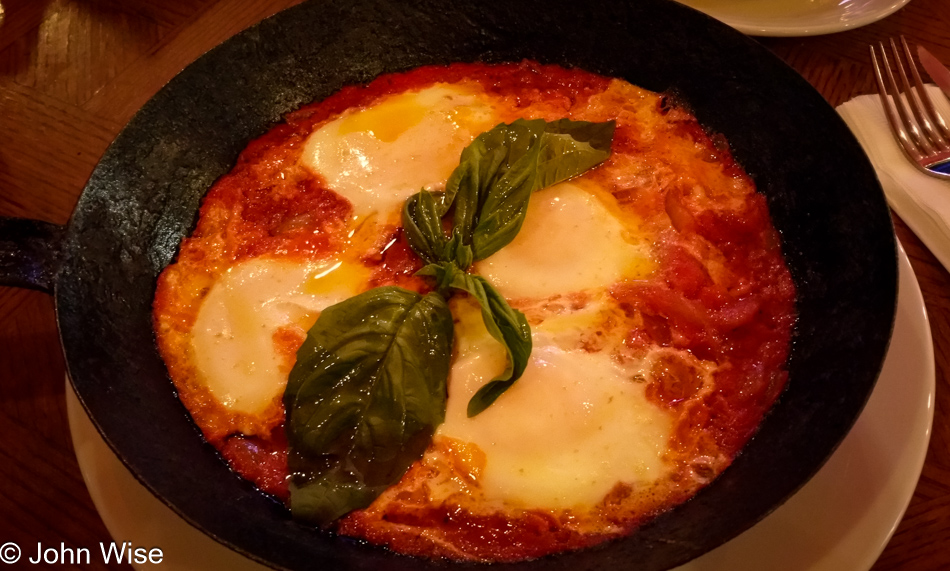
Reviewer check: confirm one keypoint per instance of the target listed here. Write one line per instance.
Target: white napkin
(922, 201)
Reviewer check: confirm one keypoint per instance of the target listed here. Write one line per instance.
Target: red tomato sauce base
(746, 322)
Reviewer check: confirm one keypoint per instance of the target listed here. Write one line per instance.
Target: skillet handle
(30, 253)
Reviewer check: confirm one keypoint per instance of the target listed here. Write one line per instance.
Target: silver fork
(921, 132)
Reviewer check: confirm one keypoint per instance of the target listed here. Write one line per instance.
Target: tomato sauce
(721, 294)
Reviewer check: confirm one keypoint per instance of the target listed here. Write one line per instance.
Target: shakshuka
(659, 307)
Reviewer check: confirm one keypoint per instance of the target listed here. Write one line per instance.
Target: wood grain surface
(72, 73)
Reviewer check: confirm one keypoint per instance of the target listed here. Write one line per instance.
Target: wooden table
(72, 73)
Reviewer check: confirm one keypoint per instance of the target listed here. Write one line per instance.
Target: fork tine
(913, 102)
(897, 119)
(924, 110)
(901, 103)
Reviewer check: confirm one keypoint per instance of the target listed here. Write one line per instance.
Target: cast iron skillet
(143, 197)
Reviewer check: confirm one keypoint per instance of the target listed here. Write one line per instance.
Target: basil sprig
(489, 192)
(505, 324)
(500, 169)
(368, 389)
(364, 398)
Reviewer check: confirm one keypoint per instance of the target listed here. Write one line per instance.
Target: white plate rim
(773, 27)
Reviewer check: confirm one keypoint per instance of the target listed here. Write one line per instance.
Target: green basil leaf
(458, 252)
(491, 186)
(422, 222)
(500, 169)
(482, 163)
(505, 324)
(479, 163)
(364, 398)
(562, 150)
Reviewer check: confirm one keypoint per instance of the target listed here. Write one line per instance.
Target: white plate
(796, 17)
(839, 521)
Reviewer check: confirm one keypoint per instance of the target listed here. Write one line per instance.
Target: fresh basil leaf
(500, 169)
(496, 175)
(563, 149)
(458, 252)
(422, 222)
(572, 147)
(481, 163)
(423, 226)
(364, 398)
(507, 325)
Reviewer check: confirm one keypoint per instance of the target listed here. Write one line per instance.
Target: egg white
(378, 157)
(233, 336)
(570, 241)
(572, 427)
